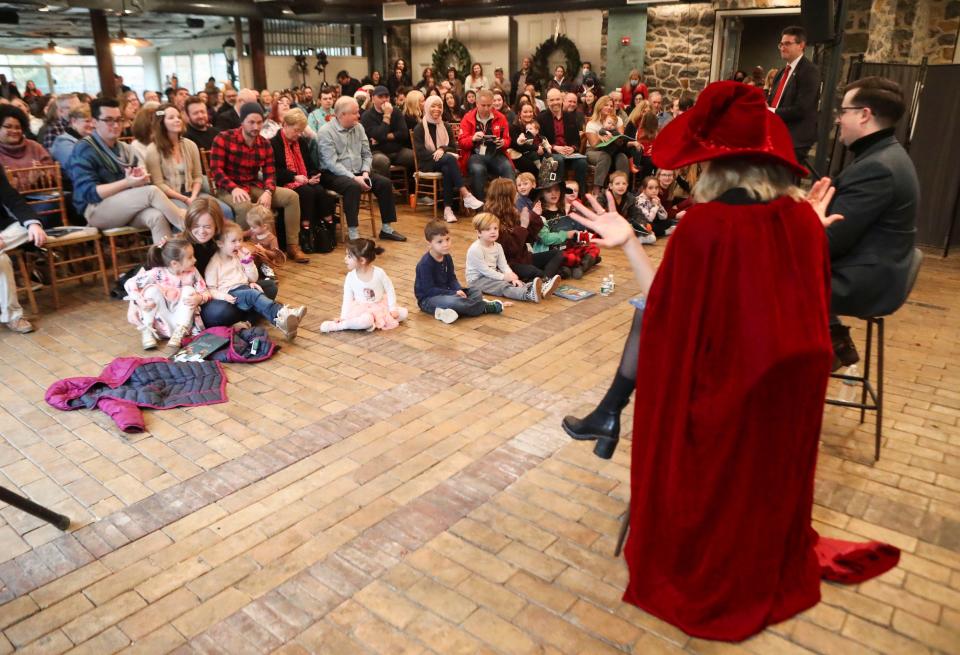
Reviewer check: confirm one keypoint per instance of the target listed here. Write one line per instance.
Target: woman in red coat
(733, 367)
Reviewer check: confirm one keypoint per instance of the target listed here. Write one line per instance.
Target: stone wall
(679, 47)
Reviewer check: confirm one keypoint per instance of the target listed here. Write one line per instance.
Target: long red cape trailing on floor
(734, 361)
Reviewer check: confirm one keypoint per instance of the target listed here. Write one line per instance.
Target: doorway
(744, 39)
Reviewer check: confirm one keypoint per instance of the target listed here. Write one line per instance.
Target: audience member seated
(527, 145)
(277, 110)
(632, 86)
(500, 104)
(571, 105)
(558, 125)
(34, 124)
(199, 129)
(872, 247)
(143, 130)
(110, 188)
(16, 150)
(18, 225)
(387, 132)
(484, 140)
(348, 85)
(436, 151)
(597, 156)
(475, 80)
(173, 162)
(346, 162)
(500, 83)
(323, 113)
(56, 118)
(80, 126)
(451, 108)
(229, 118)
(242, 167)
(559, 80)
(656, 106)
(412, 113)
(298, 169)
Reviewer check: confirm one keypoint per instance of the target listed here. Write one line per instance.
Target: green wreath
(541, 58)
(451, 52)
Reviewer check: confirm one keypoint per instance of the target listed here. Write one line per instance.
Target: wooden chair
(427, 184)
(20, 268)
(69, 256)
(205, 167)
(126, 240)
(366, 198)
(398, 176)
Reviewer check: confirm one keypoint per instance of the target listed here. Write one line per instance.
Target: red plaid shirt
(235, 164)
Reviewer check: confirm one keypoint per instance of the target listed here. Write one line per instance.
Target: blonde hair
(411, 103)
(228, 227)
(598, 106)
(764, 179)
(295, 117)
(258, 216)
(639, 110)
(484, 220)
(529, 177)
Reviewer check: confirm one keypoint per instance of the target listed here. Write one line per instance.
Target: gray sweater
(486, 262)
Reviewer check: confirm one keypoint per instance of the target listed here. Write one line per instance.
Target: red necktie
(780, 85)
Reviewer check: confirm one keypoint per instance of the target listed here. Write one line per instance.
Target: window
(286, 38)
(193, 69)
(68, 73)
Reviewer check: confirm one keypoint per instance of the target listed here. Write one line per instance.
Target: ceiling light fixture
(53, 49)
(124, 45)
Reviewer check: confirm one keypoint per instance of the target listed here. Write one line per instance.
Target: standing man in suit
(795, 91)
(872, 248)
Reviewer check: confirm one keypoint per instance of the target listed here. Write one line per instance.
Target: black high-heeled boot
(603, 424)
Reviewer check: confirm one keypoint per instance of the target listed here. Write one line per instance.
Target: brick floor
(411, 491)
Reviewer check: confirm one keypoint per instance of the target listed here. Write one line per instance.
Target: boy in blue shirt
(436, 286)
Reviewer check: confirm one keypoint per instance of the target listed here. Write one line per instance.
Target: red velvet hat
(729, 119)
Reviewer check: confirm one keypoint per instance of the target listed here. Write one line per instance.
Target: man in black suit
(795, 91)
(872, 247)
(559, 128)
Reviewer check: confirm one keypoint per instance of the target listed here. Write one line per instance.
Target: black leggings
(545, 264)
(315, 202)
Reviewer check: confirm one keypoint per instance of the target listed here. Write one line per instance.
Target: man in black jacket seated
(387, 131)
(559, 128)
(877, 194)
(199, 129)
(795, 91)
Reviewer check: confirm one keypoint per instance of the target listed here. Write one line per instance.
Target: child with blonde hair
(232, 276)
(487, 267)
(165, 297)
(369, 299)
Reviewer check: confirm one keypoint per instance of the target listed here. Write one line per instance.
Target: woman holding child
(734, 361)
(598, 156)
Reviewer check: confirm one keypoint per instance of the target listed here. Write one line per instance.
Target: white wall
(488, 39)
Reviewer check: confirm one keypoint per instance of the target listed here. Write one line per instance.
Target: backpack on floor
(318, 238)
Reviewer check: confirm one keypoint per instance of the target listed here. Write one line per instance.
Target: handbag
(318, 238)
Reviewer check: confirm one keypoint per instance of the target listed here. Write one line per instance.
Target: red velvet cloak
(734, 362)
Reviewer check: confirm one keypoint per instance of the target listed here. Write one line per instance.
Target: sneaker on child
(534, 291)
(492, 306)
(550, 285)
(288, 320)
(448, 316)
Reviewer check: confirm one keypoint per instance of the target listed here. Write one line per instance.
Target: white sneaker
(448, 316)
(550, 285)
(300, 312)
(449, 216)
(470, 201)
(330, 326)
(425, 200)
(288, 321)
(669, 230)
(148, 338)
(648, 239)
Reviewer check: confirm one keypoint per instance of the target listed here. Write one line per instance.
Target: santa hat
(729, 119)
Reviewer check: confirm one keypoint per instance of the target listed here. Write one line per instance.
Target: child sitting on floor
(652, 209)
(165, 297)
(436, 286)
(487, 267)
(625, 204)
(526, 183)
(369, 299)
(577, 253)
(260, 234)
(232, 276)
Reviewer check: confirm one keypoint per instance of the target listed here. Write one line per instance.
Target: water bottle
(605, 286)
(613, 284)
(848, 390)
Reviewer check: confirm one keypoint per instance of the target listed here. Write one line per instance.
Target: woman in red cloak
(734, 363)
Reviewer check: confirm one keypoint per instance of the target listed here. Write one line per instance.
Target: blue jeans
(249, 298)
(220, 312)
(480, 165)
(472, 305)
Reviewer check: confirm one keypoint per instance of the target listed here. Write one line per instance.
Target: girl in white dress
(369, 299)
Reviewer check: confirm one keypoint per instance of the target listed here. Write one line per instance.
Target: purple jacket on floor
(129, 383)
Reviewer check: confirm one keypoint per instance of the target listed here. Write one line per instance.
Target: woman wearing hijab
(437, 151)
(733, 354)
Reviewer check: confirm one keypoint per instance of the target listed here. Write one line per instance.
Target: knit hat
(250, 108)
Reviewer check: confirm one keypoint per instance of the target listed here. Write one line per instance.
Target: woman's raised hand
(819, 197)
(613, 229)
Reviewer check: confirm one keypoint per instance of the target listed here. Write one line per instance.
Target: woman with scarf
(174, 162)
(731, 356)
(298, 169)
(437, 151)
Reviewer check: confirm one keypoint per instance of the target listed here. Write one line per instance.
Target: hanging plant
(449, 53)
(542, 67)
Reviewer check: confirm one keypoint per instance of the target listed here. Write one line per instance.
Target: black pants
(452, 179)
(350, 190)
(315, 202)
(545, 264)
